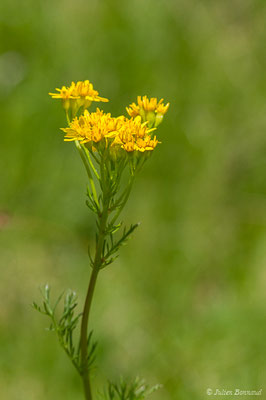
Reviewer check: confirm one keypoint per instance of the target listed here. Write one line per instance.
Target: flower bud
(74, 107)
(158, 119)
(150, 116)
(80, 102)
(142, 114)
(114, 152)
(87, 104)
(66, 104)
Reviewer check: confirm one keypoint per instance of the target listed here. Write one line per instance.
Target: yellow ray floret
(145, 105)
(80, 90)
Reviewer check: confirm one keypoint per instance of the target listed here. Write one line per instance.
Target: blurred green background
(184, 305)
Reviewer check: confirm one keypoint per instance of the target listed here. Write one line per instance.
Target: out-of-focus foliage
(185, 303)
(136, 390)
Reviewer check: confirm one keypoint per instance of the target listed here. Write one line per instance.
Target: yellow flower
(150, 110)
(77, 95)
(133, 135)
(92, 127)
(64, 93)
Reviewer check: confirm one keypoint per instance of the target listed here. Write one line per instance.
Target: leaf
(115, 246)
(65, 325)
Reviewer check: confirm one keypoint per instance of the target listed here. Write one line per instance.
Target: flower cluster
(121, 132)
(150, 110)
(134, 134)
(80, 94)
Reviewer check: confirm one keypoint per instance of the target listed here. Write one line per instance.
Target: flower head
(134, 135)
(77, 95)
(92, 127)
(150, 110)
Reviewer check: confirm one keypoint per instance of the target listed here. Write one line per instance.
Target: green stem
(88, 301)
(67, 117)
(93, 189)
(90, 162)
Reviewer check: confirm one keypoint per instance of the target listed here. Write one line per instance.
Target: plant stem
(90, 162)
(93, 189)
(87, 306)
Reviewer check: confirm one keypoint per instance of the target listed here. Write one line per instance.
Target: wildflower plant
(113, 151)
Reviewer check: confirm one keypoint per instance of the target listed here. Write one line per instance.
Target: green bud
(87, 104)
(158, 119)
(80, 102)
(142, 114)
(150, 116)
(66, 104)
(114, 152)
(74, 107)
